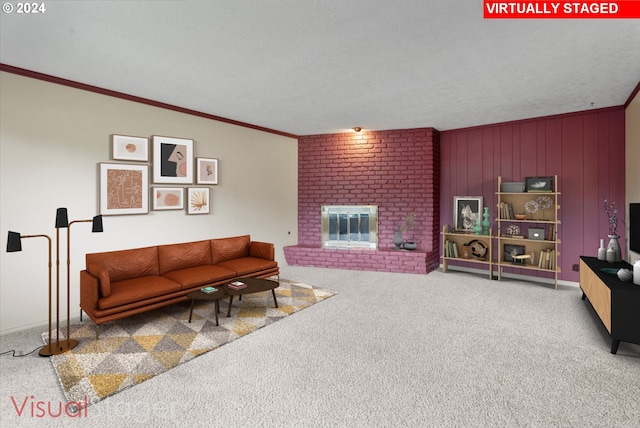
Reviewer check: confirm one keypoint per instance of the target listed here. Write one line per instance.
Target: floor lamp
(97, 227)
(14, 243)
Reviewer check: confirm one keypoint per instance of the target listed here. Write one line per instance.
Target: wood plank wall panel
(585, 150)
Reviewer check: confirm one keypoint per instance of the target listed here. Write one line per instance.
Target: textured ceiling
(311, 67)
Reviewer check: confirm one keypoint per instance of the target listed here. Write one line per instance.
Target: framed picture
(168, 198)
(206, 171)
(198, 201)
(466, 211)
(172, 160)
(124, 188)
(128, 148)
(513, 250)
(539, 184)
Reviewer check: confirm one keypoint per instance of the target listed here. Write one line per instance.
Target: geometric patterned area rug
(137, 348)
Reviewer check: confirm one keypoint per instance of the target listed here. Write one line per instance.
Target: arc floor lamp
(14, 243)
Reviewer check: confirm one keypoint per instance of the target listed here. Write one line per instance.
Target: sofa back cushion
(127, 264)
(183, 256)
(229, 248)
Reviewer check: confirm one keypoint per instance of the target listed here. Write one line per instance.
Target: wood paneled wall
(586, 150)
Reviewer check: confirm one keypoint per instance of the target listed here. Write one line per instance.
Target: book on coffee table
(237, 285)
(209, 290)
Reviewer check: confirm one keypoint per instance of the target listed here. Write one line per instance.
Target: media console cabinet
(617, 303)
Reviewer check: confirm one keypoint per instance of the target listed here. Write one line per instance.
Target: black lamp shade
(14, 243)
(97, 224)
(62, 219)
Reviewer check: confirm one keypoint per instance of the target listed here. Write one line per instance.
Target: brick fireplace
(397, 170)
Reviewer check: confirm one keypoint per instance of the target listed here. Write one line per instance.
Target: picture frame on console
(167, 198)
(129, 148)
(198, 200)
(123, 188)
(172, 160)
(206, 171)
(466, 211)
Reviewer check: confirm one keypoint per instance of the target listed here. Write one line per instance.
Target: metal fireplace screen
(351, 226)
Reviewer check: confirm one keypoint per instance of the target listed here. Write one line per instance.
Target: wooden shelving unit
(480, 248)
(540, 254)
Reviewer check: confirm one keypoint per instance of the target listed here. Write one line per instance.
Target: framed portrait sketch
(172, 160)
(466, 211)
(168, 198)
(129, 148)
(206, 171)
(124, 189)
(198, 200)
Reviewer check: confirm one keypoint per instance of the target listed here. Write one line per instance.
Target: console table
(617, 303)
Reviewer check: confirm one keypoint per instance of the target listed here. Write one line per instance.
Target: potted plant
(398, 239)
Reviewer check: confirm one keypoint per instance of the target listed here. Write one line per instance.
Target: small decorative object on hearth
(612, 213)
(636, 272)
(409, 245)
(398, 239)
(408, 224)
(602, 251)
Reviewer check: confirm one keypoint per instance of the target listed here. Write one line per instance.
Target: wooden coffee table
(254, 285)
(201, 295)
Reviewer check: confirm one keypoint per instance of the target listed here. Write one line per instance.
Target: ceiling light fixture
(357, 129)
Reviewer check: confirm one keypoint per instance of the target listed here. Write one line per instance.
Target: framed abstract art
(206, 171)
(124, 189)
(129, 148)
(167, 198)
(172, 160)
(198, 200)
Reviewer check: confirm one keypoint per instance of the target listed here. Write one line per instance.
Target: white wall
(632, 155)
(51, 140)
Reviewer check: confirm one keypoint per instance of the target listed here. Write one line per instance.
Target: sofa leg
(97, 331)
(80, 314)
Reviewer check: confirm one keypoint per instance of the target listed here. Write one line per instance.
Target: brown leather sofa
(117, 284)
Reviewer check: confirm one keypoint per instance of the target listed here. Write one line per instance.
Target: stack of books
(237, 285)
(209, 290)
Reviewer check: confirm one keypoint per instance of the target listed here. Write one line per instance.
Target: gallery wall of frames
(178, 180)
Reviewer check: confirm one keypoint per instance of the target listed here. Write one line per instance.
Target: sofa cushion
(229, 248)
(200, 275)
(102, 274)
(127, 264)
(183, 256)
(137, 289)
(247, 265)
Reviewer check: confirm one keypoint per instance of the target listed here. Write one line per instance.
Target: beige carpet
(135, 349)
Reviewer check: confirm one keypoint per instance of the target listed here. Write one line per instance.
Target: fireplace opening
(350, 226)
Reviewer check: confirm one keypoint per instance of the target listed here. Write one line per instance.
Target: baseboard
(519, 277)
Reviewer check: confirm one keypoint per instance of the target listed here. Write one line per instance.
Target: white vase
(602, 251)
(615, 245)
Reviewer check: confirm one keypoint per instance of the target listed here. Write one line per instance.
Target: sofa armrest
(89, 291)
(262, 250)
